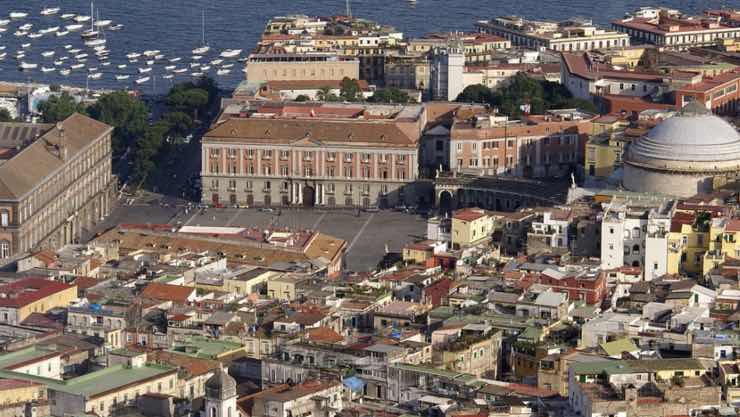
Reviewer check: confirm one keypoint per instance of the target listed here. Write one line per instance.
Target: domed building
(684, 155)
(220, 395)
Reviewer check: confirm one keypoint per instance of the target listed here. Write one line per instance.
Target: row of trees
(147, 142)
(523, 91)
(350, 91)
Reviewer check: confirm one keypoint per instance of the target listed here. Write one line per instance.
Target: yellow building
(471, 226)
(16, 391)
(284, 287)
(20, 298)
(605, 146)
(687, 243)
(242, 281)
(419, 252)
(724, 242)
(629, 57)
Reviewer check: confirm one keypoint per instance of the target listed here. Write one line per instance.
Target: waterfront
(174, 27)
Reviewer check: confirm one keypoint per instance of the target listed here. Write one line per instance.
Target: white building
(554, 225)
(446, 78)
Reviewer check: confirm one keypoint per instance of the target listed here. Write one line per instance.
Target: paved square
(367, 234)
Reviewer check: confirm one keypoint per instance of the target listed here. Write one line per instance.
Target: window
(4, 218)
(330, 156)
(4, 249)
(284, 155)
(267, 153)
(284, 171)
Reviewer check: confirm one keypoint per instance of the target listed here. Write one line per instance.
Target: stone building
(314, 155)
(688, 154)
(69, 189)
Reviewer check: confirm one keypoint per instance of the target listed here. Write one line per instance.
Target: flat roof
(99, 382)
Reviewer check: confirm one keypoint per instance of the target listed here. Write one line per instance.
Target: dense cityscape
(521, 218)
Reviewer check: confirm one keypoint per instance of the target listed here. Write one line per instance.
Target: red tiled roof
(165, 292)
(733, 225)
(468, 214)
(8, 384)
(28, 290)
(325, 335)
(679, 219)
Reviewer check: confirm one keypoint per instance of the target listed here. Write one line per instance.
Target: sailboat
(204, 48)
(90, 33)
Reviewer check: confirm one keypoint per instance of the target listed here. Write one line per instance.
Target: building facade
(309, 161)
(70, 190)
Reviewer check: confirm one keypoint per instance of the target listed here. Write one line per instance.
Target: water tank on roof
(95, 307)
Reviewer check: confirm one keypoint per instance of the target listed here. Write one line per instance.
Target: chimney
(61, 146)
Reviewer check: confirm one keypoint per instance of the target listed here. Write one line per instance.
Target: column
(300, 193)
(316, 194)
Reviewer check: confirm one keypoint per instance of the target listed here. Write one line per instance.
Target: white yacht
(194, 65)
(226, 66)
(27, 66)
(145, 70)
(47, 54)
(67, 16)
(177, 59)
(17, 15)
(92, 69)
(35, 35)
(64, 72)
(95, 76)
(168, 76)
(116, 27)
(3, 55)
(68, 46)
(223, 72)
(95, 42)
(25, 27)
(170, 67)
(231, 53)
(74, 51)
(103, 23)
(82, 18)
(47, 69)
(197, 57)
(150, 62)
(217, 61)
(74, 28)
(197, 74)
(49, 30)
(205, 68)
(89, 33)
(77, 66)
(151, 53)
(58, 62)
(204, 48)
(20, 33)
(122, 77)
(81, 56)
(122, 66)
(133, 55)
(142, 80)
(158, 57)
(62, 33)
(4, 22)
(50, 11)
(25, 45)
(179, 70)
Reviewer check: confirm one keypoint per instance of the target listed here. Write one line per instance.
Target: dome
(693, 135)
(221, 385)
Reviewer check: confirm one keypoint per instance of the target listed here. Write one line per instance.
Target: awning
(354, 383)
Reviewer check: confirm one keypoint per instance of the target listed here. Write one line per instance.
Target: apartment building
(672, 29)
(314, 155)
(569, 35)
(477, 47)
(21, 298)
(69, 189)
(538, 146)
(262, 68)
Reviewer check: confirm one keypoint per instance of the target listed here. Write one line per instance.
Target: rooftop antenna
(349, 10)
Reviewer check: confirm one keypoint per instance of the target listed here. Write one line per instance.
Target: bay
(174, 28)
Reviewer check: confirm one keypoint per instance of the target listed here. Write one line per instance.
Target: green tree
(476, 93)
(188, 100)
(178, 123)
(302, 98)
(325, 94)
(146, 150)
(390, 95)
(5, 116)
(58, 107)
(126, 114)
(350, 90)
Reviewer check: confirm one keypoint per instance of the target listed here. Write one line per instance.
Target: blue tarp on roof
(354, 383)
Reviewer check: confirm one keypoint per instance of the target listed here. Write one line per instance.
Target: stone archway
(446, 202)
(309, 196)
